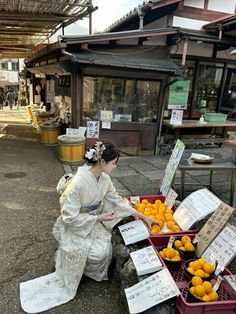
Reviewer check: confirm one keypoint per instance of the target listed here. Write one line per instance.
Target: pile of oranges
(201, 268)
(184, 244)
(170, 254)
(203, 290)
(160, 212)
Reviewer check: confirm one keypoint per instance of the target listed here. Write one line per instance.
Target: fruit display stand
(152, 199)
(227, 299)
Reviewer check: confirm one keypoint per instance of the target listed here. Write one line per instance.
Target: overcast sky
(109, 11)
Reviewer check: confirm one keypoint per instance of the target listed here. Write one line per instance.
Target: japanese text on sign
(93, 129)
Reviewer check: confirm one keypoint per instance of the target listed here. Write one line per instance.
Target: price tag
(170, 198)
(217, 284)
(171, 241)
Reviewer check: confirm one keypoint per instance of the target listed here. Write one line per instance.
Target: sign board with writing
(134, 231)
(106, 124)
(146, 261)
(170, 198)
(93, 129)
(171, 167)
(178, 94)
(151, 291)
(222, 249)
(195, 207)
(176, 117)
(76, 132)
(212, 227)
(106, 115)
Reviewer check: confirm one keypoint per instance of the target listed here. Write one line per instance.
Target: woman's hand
(106, 217)
(148, 220)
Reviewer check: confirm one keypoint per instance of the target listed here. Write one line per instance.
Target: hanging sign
(178, 94)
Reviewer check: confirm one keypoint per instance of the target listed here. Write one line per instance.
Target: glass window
(229, 92)
(120, 99)
(207, 88)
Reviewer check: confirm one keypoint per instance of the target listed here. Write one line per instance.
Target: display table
(193, 124)
(219, 163)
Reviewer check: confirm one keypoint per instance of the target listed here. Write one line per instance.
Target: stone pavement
(29, 207)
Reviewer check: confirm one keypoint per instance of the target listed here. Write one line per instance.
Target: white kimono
(84, 243)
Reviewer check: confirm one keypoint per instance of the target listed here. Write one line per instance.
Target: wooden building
(161, 55)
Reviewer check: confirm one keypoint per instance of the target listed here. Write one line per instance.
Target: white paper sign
(106, 115)
(151, 291)
(93, 129)
(170, 198)
(171, 167)
(76, 132)
(134, 231)
(106, 124)
(176, 117)
(195, 206)
(146, 261)
(222, 248)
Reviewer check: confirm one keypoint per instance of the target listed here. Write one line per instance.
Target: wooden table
(193, 124)
(219, 163)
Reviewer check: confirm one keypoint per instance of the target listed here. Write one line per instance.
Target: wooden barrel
(71, 149)
(49, 134)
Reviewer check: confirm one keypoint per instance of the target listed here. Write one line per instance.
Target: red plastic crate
(227, 302)
(151, 199)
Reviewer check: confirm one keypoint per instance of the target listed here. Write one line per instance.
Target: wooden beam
(163, 4)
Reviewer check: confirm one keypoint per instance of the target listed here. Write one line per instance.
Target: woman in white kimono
(90, 207)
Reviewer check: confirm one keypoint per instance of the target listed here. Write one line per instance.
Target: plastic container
(227, 299)
(215, 117)
(49, 134)
(152, 199)
(71, 149)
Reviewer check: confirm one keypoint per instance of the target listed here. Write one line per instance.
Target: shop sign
(178, 94)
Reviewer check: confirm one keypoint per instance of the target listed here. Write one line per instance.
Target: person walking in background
(10, 98)
(1, 99)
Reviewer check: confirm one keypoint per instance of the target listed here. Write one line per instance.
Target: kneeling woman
(90, 208)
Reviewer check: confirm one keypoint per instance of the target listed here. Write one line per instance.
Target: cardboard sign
(146, 261)
(93, 129)
(212, 227)
(195, 206)
(134, 231)
(171, 167)
(222, 249)
(151, 291)
(170, 198)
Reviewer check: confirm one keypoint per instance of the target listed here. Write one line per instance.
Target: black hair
(110, 153)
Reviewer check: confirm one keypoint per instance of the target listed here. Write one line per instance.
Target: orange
(208, 268)
(158, 202)
(154, 212)
(213, 295)
(169, 217)
(196, 280)
(182, 248)
(170, 224)
(160, 217)
(192, 290)
(200, 273)
(169, 211)
(170, 252)
(189, 246)
(145, 201)
(196, 265)
(191, 270)
(185, 239)
(136, 205)
(175, 228)
(162, 254)
(178, 243)
(206, 298)
(200, 291)
(202, 260)
(208, 286)
(176, 258)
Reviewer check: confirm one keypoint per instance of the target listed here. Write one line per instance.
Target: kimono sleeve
(113, 201)
(79, 223)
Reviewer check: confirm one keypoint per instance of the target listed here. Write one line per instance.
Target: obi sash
(90, 208)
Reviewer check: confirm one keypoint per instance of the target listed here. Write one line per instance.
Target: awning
(112, 60)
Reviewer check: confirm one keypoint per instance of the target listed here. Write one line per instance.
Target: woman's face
(108, 166)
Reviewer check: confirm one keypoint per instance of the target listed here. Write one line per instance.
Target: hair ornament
(95, 153)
